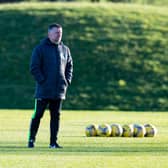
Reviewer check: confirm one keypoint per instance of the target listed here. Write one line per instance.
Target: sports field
(81, 151)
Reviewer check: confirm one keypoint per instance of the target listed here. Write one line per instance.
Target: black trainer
(55, 145)
(31, 143)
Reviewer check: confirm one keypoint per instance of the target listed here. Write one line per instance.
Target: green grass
(81, 151)
(109, 42)
(144, 2)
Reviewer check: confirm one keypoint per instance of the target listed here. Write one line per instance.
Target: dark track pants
(54, 108)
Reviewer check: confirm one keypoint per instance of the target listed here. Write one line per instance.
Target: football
(128, 130)
(151, 130)
(116, 130)
(104, 130)
(139, 130)
(91, 130)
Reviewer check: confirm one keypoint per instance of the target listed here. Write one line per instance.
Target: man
(51, 65)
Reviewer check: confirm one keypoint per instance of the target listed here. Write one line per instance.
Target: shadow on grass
(82, 150)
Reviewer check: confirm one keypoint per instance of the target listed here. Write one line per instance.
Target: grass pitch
(81, 151)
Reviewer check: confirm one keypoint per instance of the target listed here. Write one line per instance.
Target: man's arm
(35, 66)
(69, 68)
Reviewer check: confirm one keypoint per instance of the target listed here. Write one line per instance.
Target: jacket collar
(48, 42)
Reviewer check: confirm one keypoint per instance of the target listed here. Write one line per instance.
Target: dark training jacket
(52, 67)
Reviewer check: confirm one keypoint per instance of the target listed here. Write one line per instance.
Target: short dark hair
(51, 26)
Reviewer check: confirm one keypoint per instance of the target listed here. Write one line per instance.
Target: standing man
(51, 65)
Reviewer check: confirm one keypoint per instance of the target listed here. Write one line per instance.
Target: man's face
(55, 34)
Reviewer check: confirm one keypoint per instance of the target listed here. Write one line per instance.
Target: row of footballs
(116, 130)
